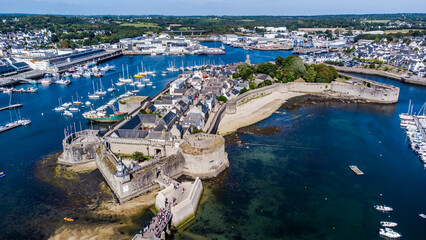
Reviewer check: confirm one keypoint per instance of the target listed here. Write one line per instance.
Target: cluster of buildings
(163, 44)
(188, 105)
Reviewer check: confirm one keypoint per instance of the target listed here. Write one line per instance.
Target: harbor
(357, 130)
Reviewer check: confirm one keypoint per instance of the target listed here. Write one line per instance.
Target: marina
(276, 164)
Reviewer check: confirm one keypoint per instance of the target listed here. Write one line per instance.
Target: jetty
(356, 170)
(18, 105)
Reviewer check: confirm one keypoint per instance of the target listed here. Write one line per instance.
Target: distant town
(393, 46)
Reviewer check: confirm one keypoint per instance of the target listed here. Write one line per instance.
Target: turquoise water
(263, 194)
(297, 184)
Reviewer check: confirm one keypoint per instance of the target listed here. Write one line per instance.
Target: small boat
(63, 82)
(383, 208)
(88, 103)
(45, 82)
(68, 219)
(2, 174)
(119, 83)
(73, 109)
(140, 85)
(388, 224)
(149, 83)
(389, 233)
(135, 91)
(66, 105)
(422, 215)
(59, 109)
(93, 96)
(67, 113)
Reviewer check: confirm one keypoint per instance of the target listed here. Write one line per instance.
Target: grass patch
(140, 25)
(377, 21)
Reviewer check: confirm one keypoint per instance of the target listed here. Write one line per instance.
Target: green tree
(222, 98)
(310, 74)
(138, 156)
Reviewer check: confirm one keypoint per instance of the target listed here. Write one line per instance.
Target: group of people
(158, 222)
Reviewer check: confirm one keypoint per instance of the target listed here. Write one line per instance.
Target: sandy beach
(254, 111)
(126, 211)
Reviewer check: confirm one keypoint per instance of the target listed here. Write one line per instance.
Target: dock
(356, 170)
(18, 105)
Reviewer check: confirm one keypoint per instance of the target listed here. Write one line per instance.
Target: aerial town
(177, 127)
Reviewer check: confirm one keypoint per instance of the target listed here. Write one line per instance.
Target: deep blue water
(297, 184)
(263, 194)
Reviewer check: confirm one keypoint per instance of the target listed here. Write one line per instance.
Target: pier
(18, 105)
(25, 77)
(356, 170)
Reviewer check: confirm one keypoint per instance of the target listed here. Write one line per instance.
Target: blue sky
(211, 7)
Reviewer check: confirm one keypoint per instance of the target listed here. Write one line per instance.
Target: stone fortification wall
(378, 92)
(140, 180)
(188, 206)
(79, 147)
(204, 155)
(185, 208)
(147, 147)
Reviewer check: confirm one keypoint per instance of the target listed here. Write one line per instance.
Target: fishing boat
(68, 219)
(103, 117)
(45, 81)
(388, 224)
(389, 233)
(63, 82)
(383, 208)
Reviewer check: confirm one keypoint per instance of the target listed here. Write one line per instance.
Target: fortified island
(179, 132)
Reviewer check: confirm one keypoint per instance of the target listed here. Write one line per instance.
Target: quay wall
(187, 207)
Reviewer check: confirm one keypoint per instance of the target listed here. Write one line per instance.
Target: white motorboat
(383, 208)
(149, 83)
(388, 224)
(45, 81)
(93, 96)
(67, 114)
(140, 85)
(422, 215)
(389, 233)
(88, 103)
(63, 82)
(73, 109)
(59, 109)
(66, 105)
(119, 83)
